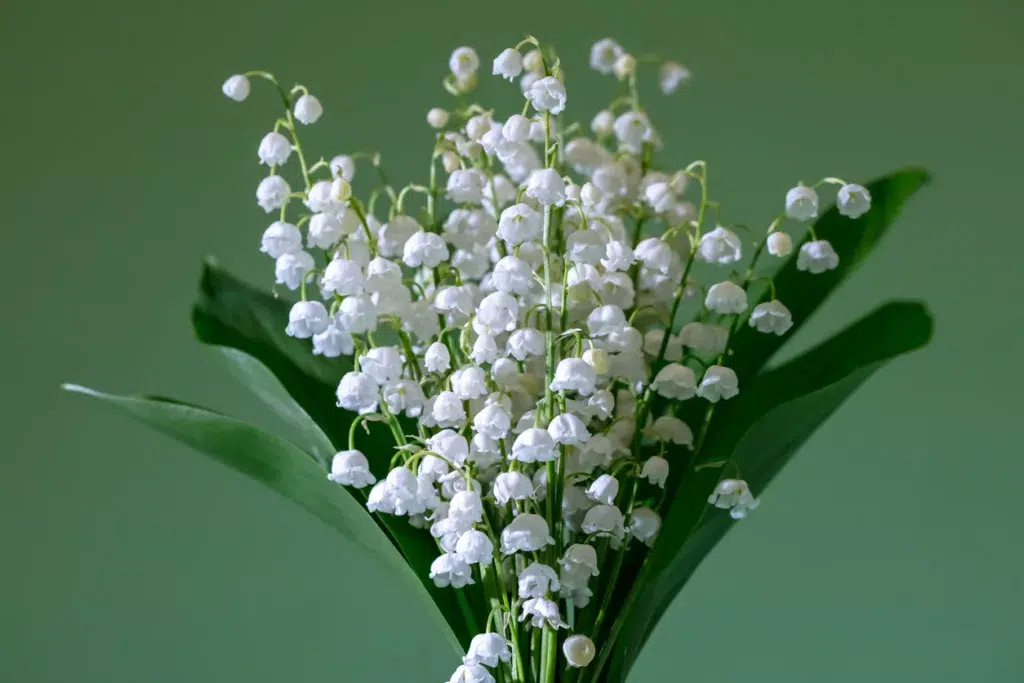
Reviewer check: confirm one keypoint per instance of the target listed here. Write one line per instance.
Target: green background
(890, 551)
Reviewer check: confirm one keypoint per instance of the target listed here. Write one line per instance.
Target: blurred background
(891, 550)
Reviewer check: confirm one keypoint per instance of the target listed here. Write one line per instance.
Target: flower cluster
(519, 332)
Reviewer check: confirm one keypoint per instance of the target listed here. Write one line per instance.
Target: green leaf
(760, 431)
(255, 376)
(279, 465)
(231, 314)
(853, 240)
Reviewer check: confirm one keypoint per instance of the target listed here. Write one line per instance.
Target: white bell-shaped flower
(281, 238)
(542, 612)
(574, 374)
(603, 520)
(817, 257)
(291, 269)
(580, 558)
(579, 650)
(719, 382)
(488, 649)
(307, 318)
(333, 342)
(704, 337)
(512, 275)
(527, 533)
(236, 87)
(471, 673)
(351, 468)
(272, 192)
(546, 187)
(533, 445)
(380, 500)
(519, 223)
(537, 580)
(655, 470)
(734, 495)
(675, 381)
(450, 445)
(721, 246)
(603, 55)
(644, 524)
(654, 254)
(493, 422)
(404, 396)
(274, 149)
(569, 430)
(475, 548)
(632, 129)
(463, 62)
(394, 234)
(485, 350)
(853, 201)
(547, 94)
(358, 391)
(404, 488)
(357, 314)
(618, 255)
(451, 570)
(780, 244)
(496, 313)
(670, 429)
(425, 249)
(466, 506)
(342, 277)
(308, 109)
(771, 317)
(726, 298)
(437, 358)
(802, 203)
(604, 489)
(509, 486)
(382, 363)
(466, 186)
(508, 64)
(524, 343)
(447, 410)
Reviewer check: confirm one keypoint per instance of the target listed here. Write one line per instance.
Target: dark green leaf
(760, 431)
(853, 240)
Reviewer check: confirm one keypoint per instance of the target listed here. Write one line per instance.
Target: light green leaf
(279, 465)
(255, 376)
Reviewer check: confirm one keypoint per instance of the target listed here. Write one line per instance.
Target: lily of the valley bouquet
(534, 384)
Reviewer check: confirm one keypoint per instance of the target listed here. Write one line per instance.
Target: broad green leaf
(853, 240)
(760, 431)
(255, 376)
(277, 464)
(230, 313)
(233, 315)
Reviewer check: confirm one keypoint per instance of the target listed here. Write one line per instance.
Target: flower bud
(437, 118)
(579, 650)
(780, 244)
